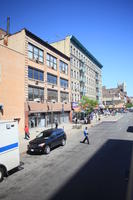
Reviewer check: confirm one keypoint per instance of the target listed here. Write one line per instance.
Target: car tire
(1, 174)
(47, 149)
(63, 142)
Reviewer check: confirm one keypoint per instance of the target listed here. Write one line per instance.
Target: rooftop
(85, 51)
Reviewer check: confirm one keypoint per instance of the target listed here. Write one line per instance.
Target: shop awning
(78, 109)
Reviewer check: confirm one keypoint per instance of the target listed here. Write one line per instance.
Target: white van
(9, 147)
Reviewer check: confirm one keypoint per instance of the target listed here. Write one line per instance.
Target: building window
(64, 96)
(71, 73)
(52, 95)
(71, 49)
(35, 92)
(63, 67)
(74, 51)
(35, 74)
(35, 53)
(51, 79)
(74, 62)
(63, 83)
(77, 75)
(51, 61)
(74, 74)
(71, 60)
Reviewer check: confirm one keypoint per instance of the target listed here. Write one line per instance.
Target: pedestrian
(27, 134)
(56, 124)
(86, 136)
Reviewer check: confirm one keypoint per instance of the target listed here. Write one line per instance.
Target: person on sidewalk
(86, 136)
(56, 124)
(27, 134)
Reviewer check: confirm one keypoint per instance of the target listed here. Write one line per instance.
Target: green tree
(87, 104)
(129, 105)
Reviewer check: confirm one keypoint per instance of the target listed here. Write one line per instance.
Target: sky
(104, 27)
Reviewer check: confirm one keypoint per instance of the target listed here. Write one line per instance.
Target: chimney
(8, 25)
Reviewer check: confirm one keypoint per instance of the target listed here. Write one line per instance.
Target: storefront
(37, 120)
(47, 119)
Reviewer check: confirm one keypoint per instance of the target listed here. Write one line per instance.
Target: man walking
(86, 136)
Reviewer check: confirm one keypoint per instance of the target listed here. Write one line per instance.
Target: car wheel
(63, 142)
(1, 174)
(47, 150)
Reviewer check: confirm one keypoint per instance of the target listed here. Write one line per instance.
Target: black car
(47, 140)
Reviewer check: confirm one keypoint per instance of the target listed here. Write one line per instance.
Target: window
(74, 62)
(35, 53)
(74, 51)
(77, 75)
(64, 96)
(63, 67)
(35, 92)
(71, 49)
(75, 87)
(74, 74)
(77, 63)
(72, 85)
(71, 73)
(35, 74)
(51, 61)
(52, 95)
(51, 79)
(63, 83)
(71, 60)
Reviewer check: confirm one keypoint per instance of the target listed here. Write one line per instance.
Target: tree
(87, 104)
(129, 105)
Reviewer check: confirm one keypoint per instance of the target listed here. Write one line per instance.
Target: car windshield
(44, 134)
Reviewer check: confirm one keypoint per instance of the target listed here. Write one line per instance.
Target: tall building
(86, 78)
(34, 81)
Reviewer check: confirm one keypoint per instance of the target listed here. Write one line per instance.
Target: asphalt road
(98, 171)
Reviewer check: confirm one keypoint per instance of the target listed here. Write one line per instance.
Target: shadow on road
(130, 129)
(103, 177)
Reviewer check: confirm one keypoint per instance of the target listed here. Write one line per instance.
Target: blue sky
(104, 27)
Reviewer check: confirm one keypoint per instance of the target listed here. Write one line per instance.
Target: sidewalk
(68, 127)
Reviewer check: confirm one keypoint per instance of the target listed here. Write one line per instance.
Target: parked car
(47, 140)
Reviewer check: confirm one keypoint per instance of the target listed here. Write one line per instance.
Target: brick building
(37, 79)
(115, 97)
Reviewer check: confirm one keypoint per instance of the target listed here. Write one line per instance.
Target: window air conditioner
(37, 60)
(37, 100)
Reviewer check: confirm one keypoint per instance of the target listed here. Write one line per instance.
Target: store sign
(74, 105)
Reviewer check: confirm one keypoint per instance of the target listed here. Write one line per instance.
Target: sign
(75, 105)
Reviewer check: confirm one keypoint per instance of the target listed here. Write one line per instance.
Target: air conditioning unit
(53, 101)
(37, 60)
(37, 100)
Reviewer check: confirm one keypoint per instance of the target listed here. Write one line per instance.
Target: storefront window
(37, 120)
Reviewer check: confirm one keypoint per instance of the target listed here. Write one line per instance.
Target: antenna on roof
(8, 25)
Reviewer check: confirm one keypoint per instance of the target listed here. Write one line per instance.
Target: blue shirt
(85, 132)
